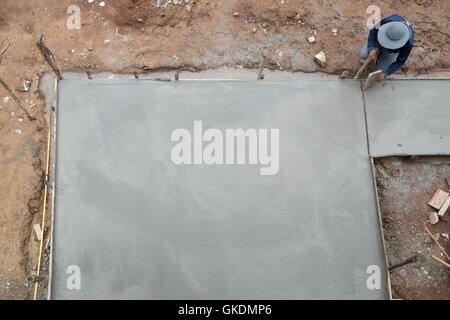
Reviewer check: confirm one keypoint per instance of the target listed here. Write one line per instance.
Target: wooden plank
(438, 199)
(444, 207)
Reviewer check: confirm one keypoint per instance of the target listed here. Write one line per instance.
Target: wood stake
(439, 245)
(261, 68)
(441, 261)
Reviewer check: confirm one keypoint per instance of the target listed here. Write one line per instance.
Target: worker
(394, 38)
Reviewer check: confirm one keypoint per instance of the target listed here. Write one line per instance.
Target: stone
(312, 39)
(321, 59)
(235, 14)
(34, 205)
(433, 217)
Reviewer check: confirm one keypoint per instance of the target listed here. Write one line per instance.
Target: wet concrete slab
(409, 117)
(139, 226)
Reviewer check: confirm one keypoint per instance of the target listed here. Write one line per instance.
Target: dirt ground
(405, 188)
(126, 36)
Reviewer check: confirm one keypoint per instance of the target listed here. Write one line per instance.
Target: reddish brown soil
(135, 36)
(405, 187)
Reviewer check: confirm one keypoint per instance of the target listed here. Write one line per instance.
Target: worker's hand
(380, 77)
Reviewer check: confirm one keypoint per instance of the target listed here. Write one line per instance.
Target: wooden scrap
(444, 207)
(321, 59)
(438, 199)
(38, 231)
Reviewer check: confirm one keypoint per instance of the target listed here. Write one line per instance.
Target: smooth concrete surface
(409, 117)
(139, 226)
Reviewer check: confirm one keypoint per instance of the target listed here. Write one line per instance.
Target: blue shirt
(403, 52)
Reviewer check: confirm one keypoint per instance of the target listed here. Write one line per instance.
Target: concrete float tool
(371, 79)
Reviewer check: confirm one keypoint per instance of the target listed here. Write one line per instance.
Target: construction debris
(25, 87)
(444, 207)
(321, 59)
(438, 199)
(412, 259)
(38, 231)
(19, 103)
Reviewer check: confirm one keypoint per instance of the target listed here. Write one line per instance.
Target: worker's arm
(401, 59)
(372, 39)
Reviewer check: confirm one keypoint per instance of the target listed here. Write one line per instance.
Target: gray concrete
(139, 226)
(409, 117)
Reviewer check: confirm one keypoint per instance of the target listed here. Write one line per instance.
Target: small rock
(321, 59)
(436, 236)
(188, 8)
(312, 39)
(334, 31)
(445, 235)
(34, 205)
(264, 25)
(102, 4)
(235, 14)
(396, 172)
(36, 90)
(19, 131)
(433, 217)
(254, 30)
(90, 1)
